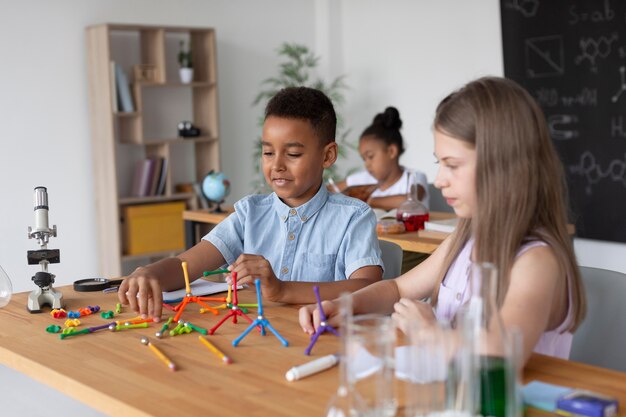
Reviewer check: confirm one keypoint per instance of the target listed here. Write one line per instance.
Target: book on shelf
(162, 177)
(142, 180)
(113, 86)
(125, 103)
(156, 176)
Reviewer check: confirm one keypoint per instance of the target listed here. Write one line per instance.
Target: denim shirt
(326, 239)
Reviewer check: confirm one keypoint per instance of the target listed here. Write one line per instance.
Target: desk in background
(410, 242)
(116, 374)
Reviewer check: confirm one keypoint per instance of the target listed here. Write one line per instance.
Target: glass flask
(346, 402)
(6, 289)
(412, 212)
(496, 351)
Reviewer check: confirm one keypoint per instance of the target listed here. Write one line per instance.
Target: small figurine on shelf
(186, 63)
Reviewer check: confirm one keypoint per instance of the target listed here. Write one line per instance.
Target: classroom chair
(600, 340)
(437, 203)
(392, 258)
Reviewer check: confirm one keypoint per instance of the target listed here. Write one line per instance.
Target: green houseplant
(185, 63)
(298, 69)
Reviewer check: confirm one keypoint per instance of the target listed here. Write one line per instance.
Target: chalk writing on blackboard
(550, 97)
(528, 8)
(593, 173)
(622, 87)
(594, 48)
(544, 56)
(562, 126)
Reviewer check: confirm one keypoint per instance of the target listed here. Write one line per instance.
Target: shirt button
(284, 270)
(458, 296)
(292, 236)
(304, 218)
(293, 212)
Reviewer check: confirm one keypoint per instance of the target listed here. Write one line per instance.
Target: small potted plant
(186, 64)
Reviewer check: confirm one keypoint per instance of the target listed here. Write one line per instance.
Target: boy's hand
(142, 292)
(407, 312)
(249, 267)
(310, 320)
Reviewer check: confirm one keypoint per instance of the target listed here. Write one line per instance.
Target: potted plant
(298, 70)
(185, 62)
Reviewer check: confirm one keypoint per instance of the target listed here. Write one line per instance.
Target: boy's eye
(294, 155)
(268, 153)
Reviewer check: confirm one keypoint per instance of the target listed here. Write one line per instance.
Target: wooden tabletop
(114, 373)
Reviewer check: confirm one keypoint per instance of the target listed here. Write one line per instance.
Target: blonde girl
(501, 175)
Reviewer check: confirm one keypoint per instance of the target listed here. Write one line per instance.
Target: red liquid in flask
(413, 222)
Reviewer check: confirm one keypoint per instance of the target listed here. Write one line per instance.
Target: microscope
(45, 294)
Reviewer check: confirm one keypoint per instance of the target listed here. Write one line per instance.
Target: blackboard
(571, 56)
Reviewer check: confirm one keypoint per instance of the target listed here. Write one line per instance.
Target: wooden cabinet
(161, 101)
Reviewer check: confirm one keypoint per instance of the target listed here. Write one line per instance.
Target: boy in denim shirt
(298, 236)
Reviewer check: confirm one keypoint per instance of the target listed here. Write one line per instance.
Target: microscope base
(40, 297)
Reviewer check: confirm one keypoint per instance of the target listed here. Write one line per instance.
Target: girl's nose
(440, 180)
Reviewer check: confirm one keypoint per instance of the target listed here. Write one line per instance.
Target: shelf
(149, 255)
(170, 141)
(122, 141)
(125, 201)
(193, 84)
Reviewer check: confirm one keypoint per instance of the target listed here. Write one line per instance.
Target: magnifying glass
(95, 284)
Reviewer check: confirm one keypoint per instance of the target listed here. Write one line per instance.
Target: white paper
(198, 288)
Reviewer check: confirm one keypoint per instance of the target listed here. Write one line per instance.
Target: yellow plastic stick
(187, 286)
(167, 361)
(215, 350)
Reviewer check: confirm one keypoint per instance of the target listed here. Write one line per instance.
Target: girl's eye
(294, 155)
(268, 153)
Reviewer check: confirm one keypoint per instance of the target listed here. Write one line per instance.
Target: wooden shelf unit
(120, 139)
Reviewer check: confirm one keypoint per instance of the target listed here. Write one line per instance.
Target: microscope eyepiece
(41, 198)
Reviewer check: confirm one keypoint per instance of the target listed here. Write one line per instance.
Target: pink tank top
(454, 292)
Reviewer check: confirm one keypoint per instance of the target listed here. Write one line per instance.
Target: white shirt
(399, 187)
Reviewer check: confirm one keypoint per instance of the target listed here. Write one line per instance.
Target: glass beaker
(370, 353)
(346, 402)
(412, 212)
(440, 382)
(6, 289)
(496, 352)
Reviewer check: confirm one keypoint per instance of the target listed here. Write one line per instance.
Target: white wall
(406, 53)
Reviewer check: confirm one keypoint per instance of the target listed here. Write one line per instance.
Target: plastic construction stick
(196, 328)
(215, 350)
(167, 361)
(323, 327)
(187, 286)
(75, 333)
(118, 327)
(217, 271)
(164, 328)
(234, 310)
(260, 320)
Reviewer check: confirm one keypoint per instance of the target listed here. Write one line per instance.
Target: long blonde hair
(520, 185)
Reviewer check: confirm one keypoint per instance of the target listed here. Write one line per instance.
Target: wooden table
(116, 374)
(410, 242)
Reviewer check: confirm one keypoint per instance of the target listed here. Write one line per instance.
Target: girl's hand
(309, 316)
(249, 267)
(408, 312)
(141, 291)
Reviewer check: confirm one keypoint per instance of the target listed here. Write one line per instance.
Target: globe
(215, 187)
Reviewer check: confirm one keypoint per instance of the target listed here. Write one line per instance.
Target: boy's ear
(330, 154)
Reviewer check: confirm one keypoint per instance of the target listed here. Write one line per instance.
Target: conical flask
(6, 289)
(496, 351)
(346, 402)
(412, 212)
